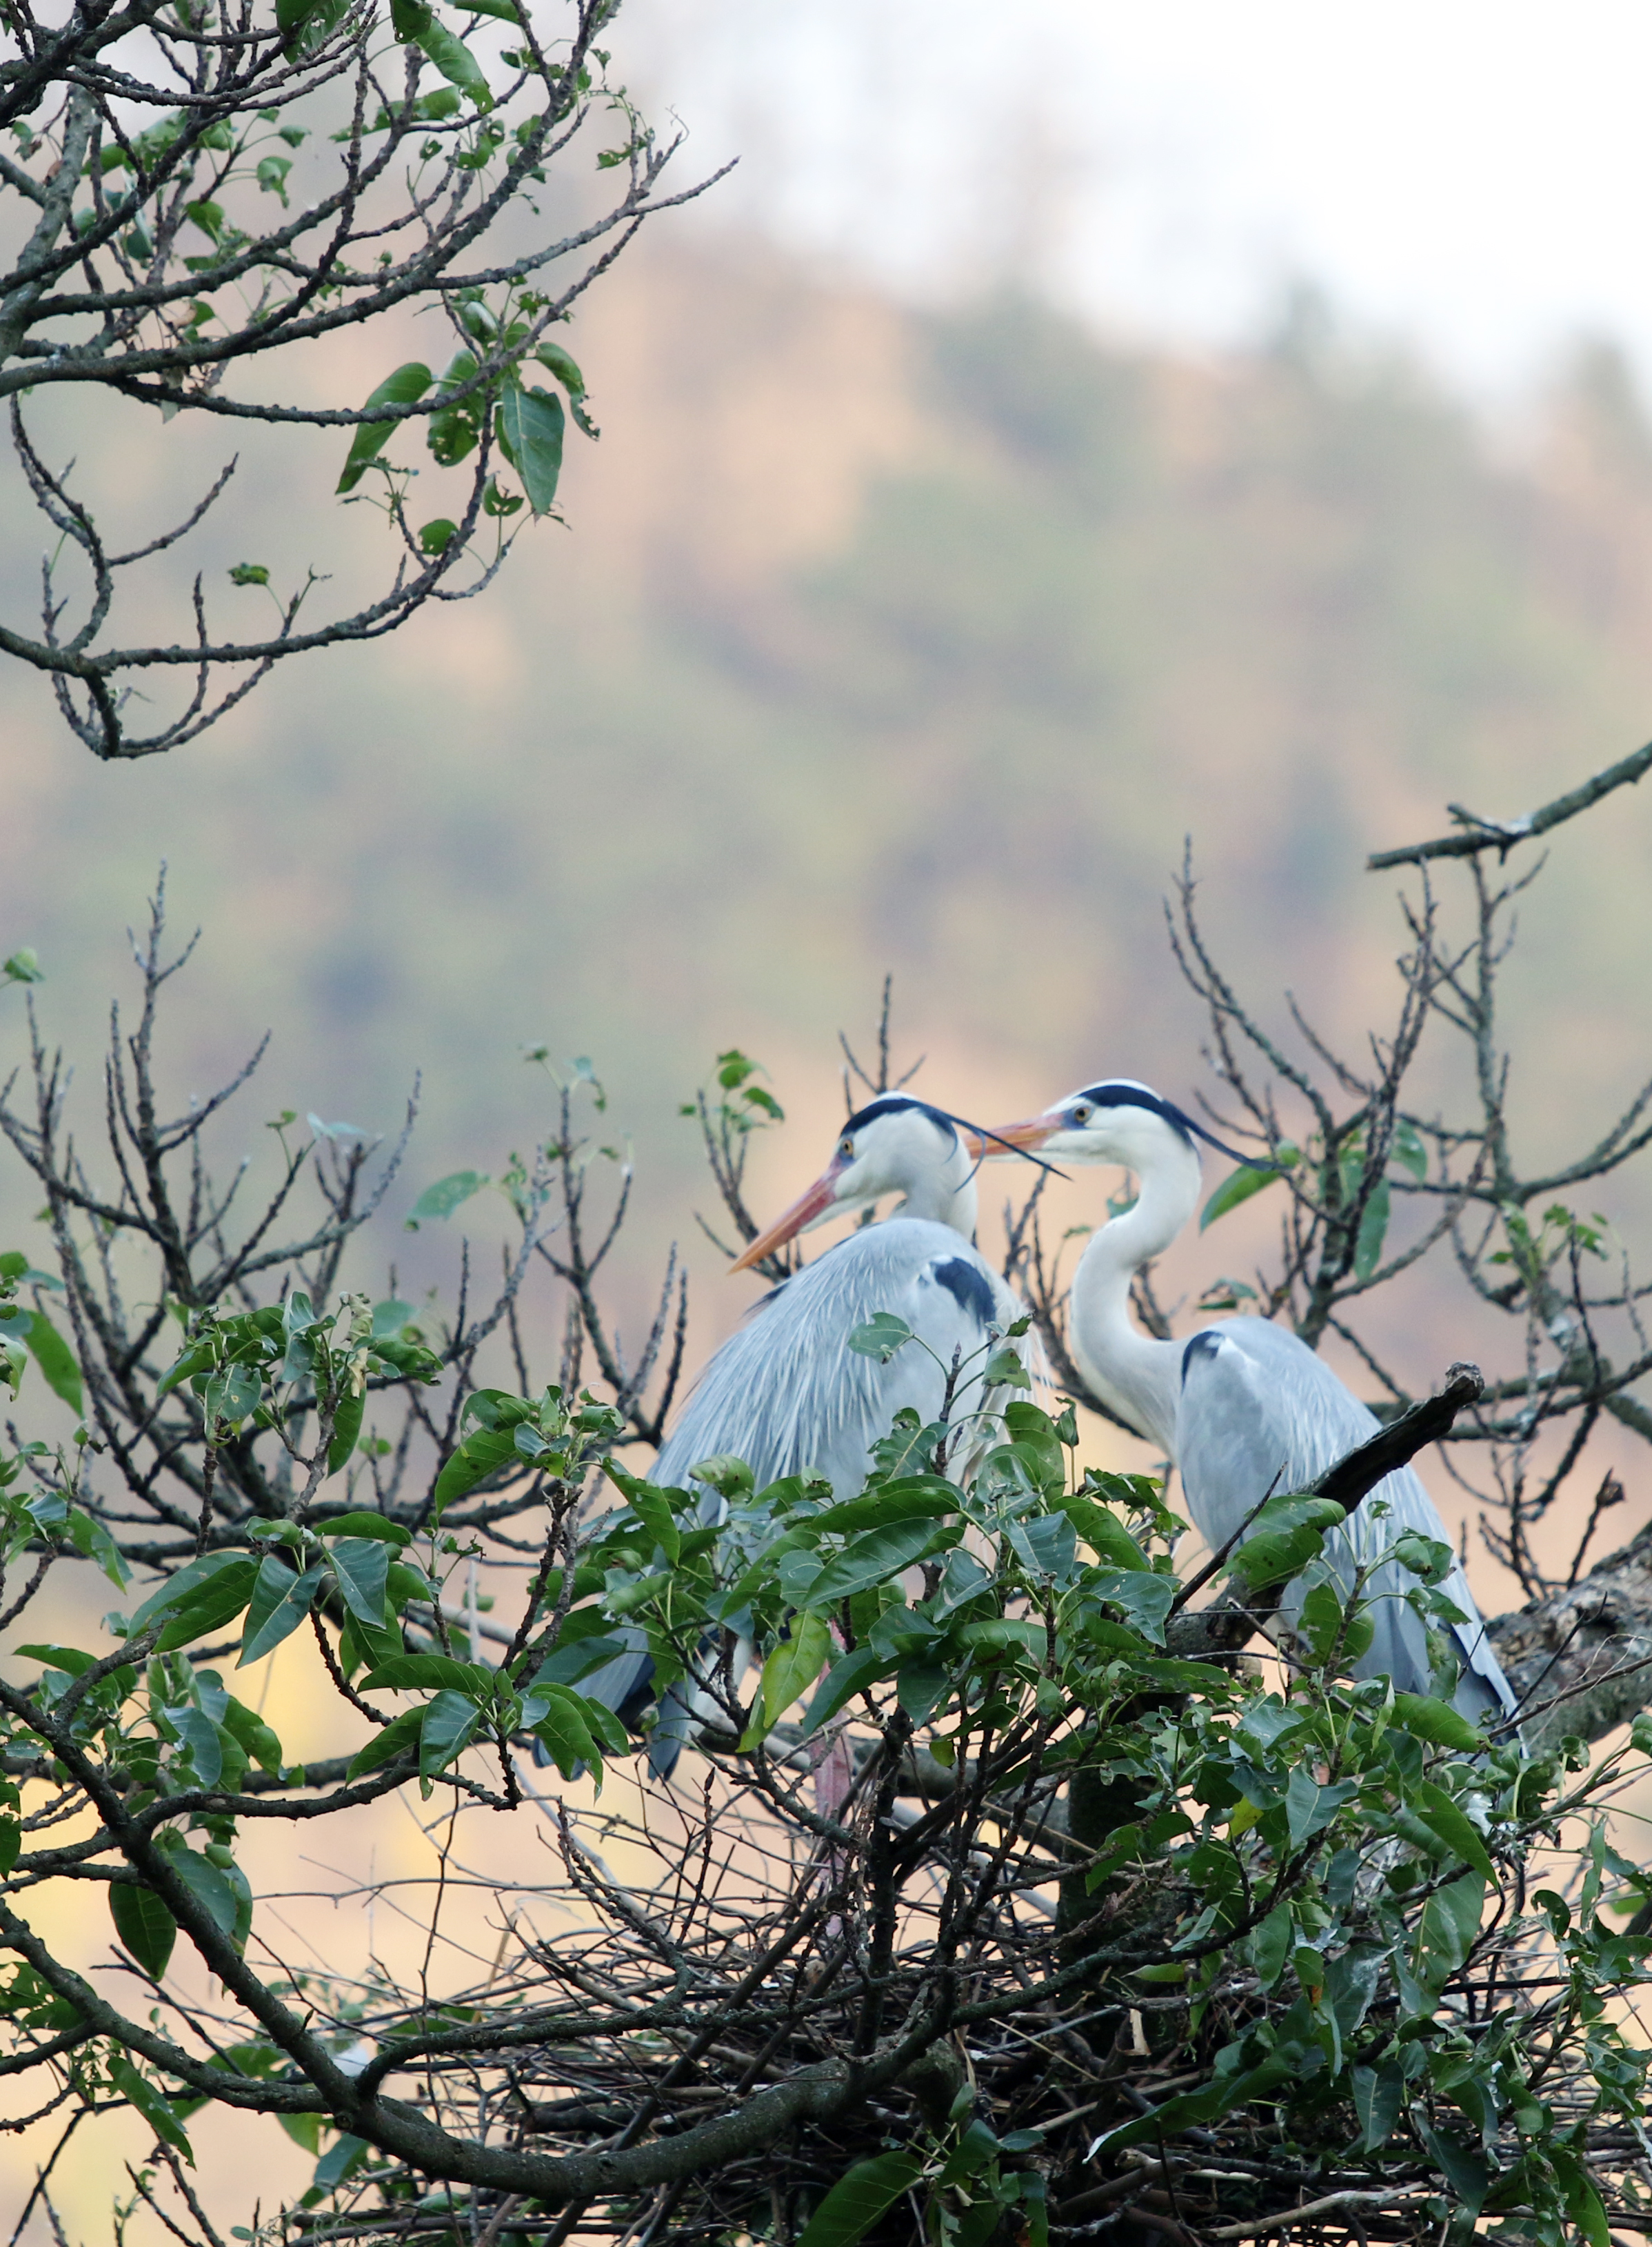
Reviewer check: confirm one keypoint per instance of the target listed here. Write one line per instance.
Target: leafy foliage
(183, 209)
(1007, 1899)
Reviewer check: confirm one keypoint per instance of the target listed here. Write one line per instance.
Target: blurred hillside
(881, 639)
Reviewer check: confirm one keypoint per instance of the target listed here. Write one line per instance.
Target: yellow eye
(846, 1147)
(1082, 1111)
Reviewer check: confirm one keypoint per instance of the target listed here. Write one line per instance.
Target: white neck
(945, 1196)
(1137, 1376)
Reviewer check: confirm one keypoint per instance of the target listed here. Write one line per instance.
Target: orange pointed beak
(802, 1212)
(1025, 1137)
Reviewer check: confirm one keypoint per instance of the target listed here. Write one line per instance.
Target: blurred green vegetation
(886, 639)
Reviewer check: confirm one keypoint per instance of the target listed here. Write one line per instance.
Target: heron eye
(1082, 1111)
(846, 1147)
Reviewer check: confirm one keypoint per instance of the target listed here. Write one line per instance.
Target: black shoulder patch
(968, 1286)
(1203, 1345)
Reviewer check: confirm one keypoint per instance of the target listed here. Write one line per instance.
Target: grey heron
(1242, 1407)
(786, 1394)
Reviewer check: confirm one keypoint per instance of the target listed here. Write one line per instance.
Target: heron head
(895, 1144)
(1116, 1121)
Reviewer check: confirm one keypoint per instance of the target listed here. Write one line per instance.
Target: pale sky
(1474, 177)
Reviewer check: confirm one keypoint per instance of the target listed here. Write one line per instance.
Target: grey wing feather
(789, 1396)
(788, 1393)
(1261, 1412)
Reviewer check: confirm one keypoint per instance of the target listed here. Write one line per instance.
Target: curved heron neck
(945, 1197)
(1138, 1375)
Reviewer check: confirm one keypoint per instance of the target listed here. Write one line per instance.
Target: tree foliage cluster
(1006, 1900)
(190, 190)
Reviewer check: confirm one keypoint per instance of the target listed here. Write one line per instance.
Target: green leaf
(406, 1673)
(1441, 1816)
(231, 1394)
(876, 1558)
(653, 1510)
(977, 2146)
(398, 1738)
(1240, 1184)
(1287, 1536)
(1409, 1150)
(564, 1730)
(200, 1736)
(15, 1267)
(921, 1687)
(92, 1540)
(436, 536)
(1462, 2165)
(1449, 1923)
(184, 1587)
(445, 1196)
(342, 2158)
(1208, 2105)
(993, 1635)
(1378, 2097)
(556, 361)
(1584, 2207)
(1271, 1945)
(860, 2196)
(418, 26)
(249, 573)
(250, 1733)
(281, 1598)
(405, 387)
(361, 1564)
(450, 1722)
(346, 1426)
(1437, 1723)
(530, 433)
(143, 1924)
(841, 1682)
(1032, 1431)
(72, 1658)
(505, 10)
(215, 1604)
(477, 1457)
(1103, 1532)
(1374, 1222)
(23, 967)
(910, 1498)
(304, 24)
(1143, 1597)
(1005, 1369)
(729, 1477)
(56, 1361)
(790, 1670)
(204, 1880)
(138, 2092)
(1310, 1807)
(1327, 1624)
(881, 1336)
(361, 1523)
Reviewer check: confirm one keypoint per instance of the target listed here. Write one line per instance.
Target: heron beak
(1032, 1133)
(806, 1211)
